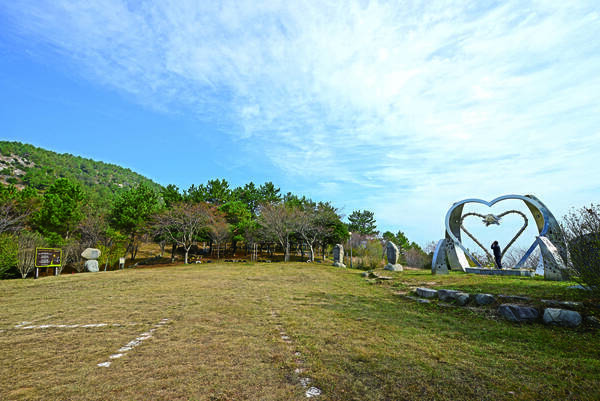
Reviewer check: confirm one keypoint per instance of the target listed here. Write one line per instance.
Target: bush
(582, 233)
(8, 256)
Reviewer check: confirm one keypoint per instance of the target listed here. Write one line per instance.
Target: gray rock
(426, 292)
(446, 295)
(394, 268)
(91, 253)
(562, 317)
(562, 304)
(593, 321)
(91, 265)
(518, 313)
(484, 299)
(514, 298)
(461, 298)
(338, 256)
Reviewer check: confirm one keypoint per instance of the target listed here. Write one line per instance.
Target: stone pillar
(391, 251)
(338, 256)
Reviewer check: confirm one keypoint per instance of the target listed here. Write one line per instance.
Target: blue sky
(401, 108)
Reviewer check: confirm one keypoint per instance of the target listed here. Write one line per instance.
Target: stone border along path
(558, 313)
(133, 343)
(304, 381)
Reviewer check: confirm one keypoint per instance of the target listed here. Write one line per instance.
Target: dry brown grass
(222, 342)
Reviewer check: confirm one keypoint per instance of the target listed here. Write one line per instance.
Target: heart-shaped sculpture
(546, 224)
(493, 219)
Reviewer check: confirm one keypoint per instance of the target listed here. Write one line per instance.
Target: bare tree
(12, 218)
(183, 222)
(315, 223)
(219, 231)
(28, 242)
(279, 221)
(582, 232)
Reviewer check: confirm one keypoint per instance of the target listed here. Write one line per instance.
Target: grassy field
(241, 331)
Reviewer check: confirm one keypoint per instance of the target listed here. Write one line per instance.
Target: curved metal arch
(545, 221)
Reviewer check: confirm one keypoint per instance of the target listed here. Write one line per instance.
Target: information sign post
(47, 257)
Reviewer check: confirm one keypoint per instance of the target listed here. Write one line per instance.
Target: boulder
(518, 313)
(484, 299)
(391, 251)
(91, 253)
(394, 268)
(426, 292)
(562, 317)
(91, 265)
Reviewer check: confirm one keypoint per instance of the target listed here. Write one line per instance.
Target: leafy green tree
(8, 256)
(61, 209)
(362, 222)
(132, 211)
(269, 193)
(239, 219)
(171, 195)
(402, 240)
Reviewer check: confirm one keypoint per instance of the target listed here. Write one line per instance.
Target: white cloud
(411, 104)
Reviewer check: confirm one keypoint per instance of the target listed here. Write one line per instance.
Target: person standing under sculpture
(497, 254)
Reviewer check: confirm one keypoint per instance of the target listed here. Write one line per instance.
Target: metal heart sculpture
(490, 219)
(546, 224)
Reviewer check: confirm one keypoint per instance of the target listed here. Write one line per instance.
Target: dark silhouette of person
(497, 254)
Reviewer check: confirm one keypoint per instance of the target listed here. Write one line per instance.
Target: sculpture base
(501, 272)
(338, 264)
(394, 268)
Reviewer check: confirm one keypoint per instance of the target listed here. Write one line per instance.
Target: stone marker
(338, 256)
(562, 317)
(391, 251)
(517, 313)
(92, 254)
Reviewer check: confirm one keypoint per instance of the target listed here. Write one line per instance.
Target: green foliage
(171, 195)
(61, 208)
(133, 209)
(8, 256)
(100, 181)
(362, 222)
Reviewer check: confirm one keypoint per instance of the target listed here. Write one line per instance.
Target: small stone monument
(338, 256)
(391, 251)
(92, 255)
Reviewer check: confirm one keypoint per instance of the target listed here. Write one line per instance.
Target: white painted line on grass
(132, 344)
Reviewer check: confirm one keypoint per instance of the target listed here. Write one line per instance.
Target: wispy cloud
(414, 104)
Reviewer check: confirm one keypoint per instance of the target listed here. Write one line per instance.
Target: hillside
(25, 165)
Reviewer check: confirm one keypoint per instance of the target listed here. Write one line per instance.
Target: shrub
(8, 256)
(582, 233)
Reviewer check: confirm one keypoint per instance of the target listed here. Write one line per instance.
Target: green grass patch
(357, 341)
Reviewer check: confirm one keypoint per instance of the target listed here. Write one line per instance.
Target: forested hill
(28, 166)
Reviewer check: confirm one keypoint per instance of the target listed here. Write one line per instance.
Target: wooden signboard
(47, 257)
